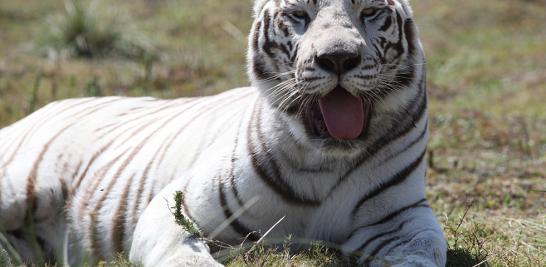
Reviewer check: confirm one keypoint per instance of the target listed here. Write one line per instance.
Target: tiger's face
(329, 66)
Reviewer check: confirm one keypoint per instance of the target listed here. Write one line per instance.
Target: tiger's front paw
(424, 251)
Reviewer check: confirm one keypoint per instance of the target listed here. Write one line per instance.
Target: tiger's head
(336, 70)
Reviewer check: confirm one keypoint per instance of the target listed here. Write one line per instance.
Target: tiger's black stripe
(398, 178)
(185, 208)
(377, 236)
(410, 33)
(33, 175)
(401, 243)
(94, 235)
(405, 77)
(258, 65)
(262, 161)
(232, 182)
(386, 25)
(203, 111)
(419, 204)
(267, 45)
(69, 189)
(120, 218)
(124, 123)
(389, 241)
(143, 180)
(410, 145)
(372, 255)
(23, 139)
(92, 214)
(87, 198)
(399, 45)
(139, 117)
(84, 202)
(95, 156)
(235, 223)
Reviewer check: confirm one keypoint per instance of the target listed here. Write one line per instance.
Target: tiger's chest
(231, 205)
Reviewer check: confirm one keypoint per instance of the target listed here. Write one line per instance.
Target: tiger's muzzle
(335, 67)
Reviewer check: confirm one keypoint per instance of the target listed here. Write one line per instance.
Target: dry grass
(487, 85)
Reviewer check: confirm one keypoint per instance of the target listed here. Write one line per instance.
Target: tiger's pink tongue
(343, 114)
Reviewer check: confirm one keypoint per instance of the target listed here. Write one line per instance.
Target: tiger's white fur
(97, 176)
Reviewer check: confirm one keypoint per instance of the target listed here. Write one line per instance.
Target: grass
(487, 87)
(180, 219)
(316, 255)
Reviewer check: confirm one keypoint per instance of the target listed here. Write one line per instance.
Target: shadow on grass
(461, 257)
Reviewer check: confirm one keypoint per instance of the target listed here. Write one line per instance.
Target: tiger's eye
(300, 14)
(369, 12)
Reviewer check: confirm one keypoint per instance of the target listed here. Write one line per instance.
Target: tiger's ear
(407, 7)
(258, 6)
(405, 4)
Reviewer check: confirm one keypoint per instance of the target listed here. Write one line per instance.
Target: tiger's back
(77, 158)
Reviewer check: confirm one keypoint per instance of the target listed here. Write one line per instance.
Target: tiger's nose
(338, 62)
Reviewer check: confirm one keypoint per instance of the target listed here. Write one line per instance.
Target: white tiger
(329, 142)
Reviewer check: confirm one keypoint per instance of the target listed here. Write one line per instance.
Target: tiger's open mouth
(339, 115)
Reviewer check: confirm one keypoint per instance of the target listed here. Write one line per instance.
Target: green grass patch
(182, 220)
(90, 31)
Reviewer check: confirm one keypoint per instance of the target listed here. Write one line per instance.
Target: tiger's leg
(408, 237)
(32, 225)
(37, 244)
(32, 193)
(159, 241)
